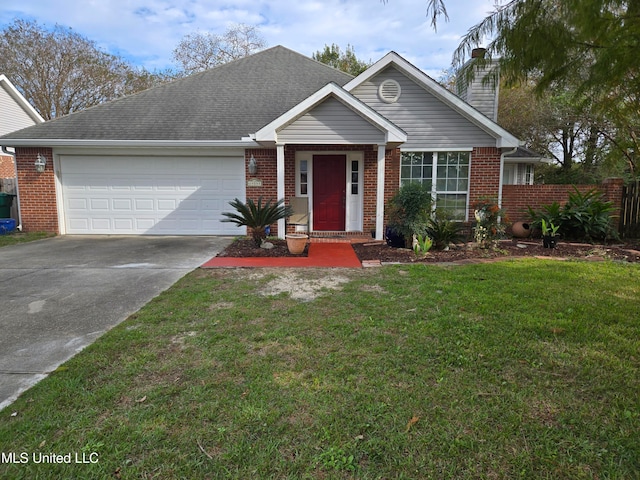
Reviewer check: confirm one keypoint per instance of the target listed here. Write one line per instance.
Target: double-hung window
(446, 173)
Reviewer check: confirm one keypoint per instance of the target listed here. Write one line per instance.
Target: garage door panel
(149, 195)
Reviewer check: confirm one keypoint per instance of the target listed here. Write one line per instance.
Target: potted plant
(257, 216)
(296, 242)
(549, 234)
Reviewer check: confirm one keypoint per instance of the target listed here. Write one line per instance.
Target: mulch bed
(465, 252)
(503, 249)
(245, 248)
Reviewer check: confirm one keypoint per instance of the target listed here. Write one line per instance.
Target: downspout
(15, 169)
(501, 181)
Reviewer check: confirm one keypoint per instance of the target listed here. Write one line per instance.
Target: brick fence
(516, 198)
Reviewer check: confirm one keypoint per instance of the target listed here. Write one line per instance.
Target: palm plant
(257, 217)
(443, 230)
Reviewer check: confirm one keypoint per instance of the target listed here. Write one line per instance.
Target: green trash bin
(6, 200)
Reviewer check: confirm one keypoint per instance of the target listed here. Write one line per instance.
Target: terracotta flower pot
(296, 243)
(521, 229)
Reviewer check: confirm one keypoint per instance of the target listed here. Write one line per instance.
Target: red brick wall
(267, 173)
(485, 174)
(484, 179)
(38, 208)
(516, 198)
(7, 168)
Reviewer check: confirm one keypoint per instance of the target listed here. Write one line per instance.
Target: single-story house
(276, 125)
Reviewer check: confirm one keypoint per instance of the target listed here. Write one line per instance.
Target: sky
(145, 32)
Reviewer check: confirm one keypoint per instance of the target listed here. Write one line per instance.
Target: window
(416, 167)
(447, 173)
(355, 177)
(304, 177)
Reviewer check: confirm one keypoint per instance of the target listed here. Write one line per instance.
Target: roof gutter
(15, 169)
(43, 142)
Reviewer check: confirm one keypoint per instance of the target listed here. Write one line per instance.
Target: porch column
(280, 181)
(380, 194)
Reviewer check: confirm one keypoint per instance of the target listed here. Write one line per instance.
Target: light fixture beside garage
(253, 166)
(41, 163)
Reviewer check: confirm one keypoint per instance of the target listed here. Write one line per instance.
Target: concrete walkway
(58, 295)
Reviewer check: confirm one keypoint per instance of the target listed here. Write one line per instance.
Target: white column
(280, 180)
(380, 194)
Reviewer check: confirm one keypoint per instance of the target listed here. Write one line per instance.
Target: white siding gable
(15, 112)
(331, 122)
(428, 121)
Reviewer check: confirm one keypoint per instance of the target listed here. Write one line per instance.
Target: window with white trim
(303, 179)
(447, 173)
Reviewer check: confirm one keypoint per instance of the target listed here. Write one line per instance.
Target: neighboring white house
(15, 113)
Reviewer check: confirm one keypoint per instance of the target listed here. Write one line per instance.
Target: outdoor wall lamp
(41, 162)
(253, 166)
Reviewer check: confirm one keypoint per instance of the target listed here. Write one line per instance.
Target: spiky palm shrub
(257, 216)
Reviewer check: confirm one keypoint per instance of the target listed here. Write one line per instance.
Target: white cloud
(147, 31)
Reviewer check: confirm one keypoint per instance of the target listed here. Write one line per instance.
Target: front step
(339, 237)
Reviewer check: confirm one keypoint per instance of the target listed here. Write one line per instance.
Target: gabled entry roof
(393, 135)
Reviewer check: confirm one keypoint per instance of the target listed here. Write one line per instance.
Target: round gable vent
(389, 91)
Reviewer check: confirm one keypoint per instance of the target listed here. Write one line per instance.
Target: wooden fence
(630, 211)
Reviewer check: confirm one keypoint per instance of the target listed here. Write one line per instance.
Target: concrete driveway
(58, 295)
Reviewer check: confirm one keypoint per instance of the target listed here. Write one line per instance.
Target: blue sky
(146, 31)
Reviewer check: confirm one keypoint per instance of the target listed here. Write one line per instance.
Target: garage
(144, 195)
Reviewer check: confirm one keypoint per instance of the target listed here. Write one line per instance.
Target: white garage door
(150, 195)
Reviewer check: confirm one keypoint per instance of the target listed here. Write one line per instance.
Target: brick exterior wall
(516, 198)
(484, 178)
(7, 168)
(267, 173)
(38, 208)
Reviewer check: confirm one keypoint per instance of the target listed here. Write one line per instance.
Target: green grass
(19, 237)
(524, 369)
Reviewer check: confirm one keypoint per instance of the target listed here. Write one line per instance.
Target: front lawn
(19, 237)
(519, 369)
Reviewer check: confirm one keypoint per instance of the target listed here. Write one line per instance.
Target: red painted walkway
(327, 255)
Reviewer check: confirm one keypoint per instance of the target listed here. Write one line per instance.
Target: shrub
(257, 216)
(409, 210)
(585, 216)
(443, 230)
(491, 221)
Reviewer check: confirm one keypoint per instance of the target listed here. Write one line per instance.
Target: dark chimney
(478, 52)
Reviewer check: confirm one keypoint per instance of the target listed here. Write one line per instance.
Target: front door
(329, 192)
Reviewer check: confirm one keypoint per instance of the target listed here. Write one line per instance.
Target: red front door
(329, 192)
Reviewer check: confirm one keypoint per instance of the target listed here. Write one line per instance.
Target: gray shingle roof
(227, 102)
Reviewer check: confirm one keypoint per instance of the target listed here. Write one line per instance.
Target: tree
(588, 47)
(345, 61)
(584, 47)
(59, 72)
(200, 51)
(552, 125)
